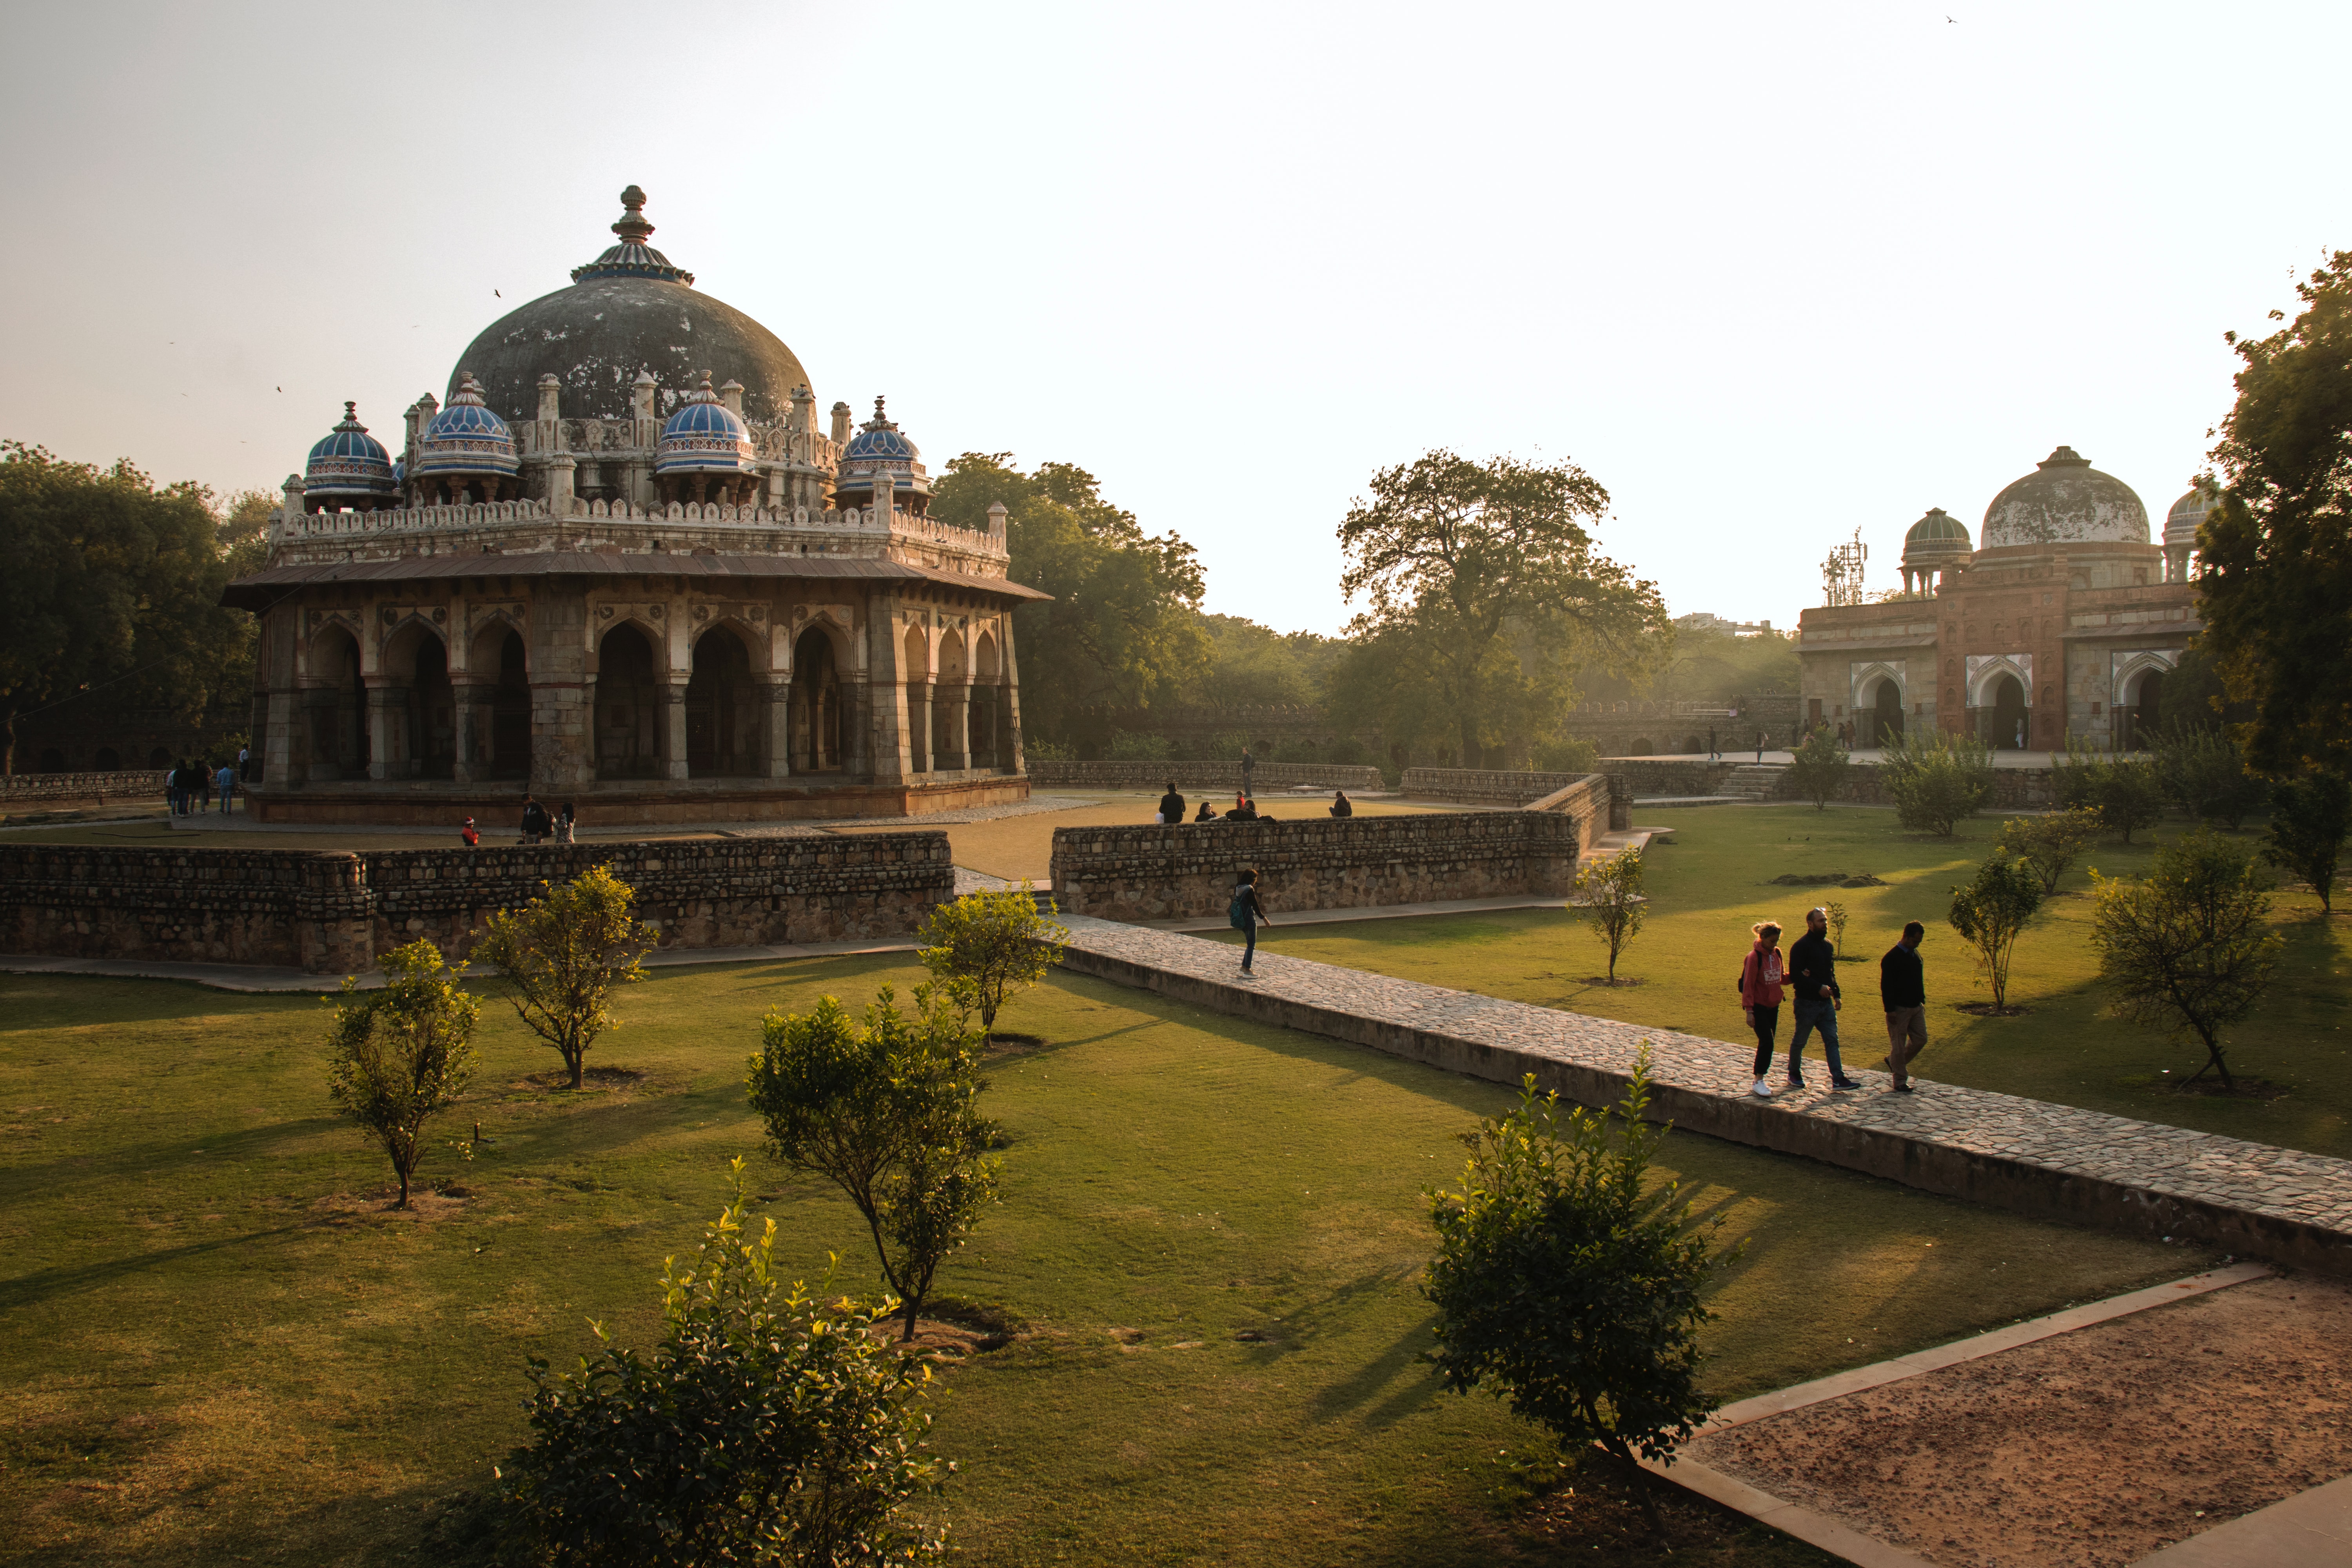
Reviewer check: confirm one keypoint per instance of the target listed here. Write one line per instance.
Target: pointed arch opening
(985, 699)
(813, 707)
(628, 707)
(334, 703)
(722, 721)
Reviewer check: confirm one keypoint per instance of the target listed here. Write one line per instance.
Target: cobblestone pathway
(2252, 1197)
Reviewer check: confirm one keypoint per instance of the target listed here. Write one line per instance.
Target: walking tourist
(1171, 806)
(171, 777)
(1340, 805)
(1249, 766)
(1812, 974)
(205, 785)
(226, 780)
(469, 836)
(535, 822)
(1759, 745)
(564, 821)
(1246, 913)
(1759, 994)
(1713, 755)
(1903, 991)
(245, 764)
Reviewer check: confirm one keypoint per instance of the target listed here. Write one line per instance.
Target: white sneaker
(1763, 1090)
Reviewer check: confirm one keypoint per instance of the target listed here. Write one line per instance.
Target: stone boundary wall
(1192, 778)
(1595, 800)
(329, 911)
(2013, 789)
(1482, 786)
(18, 788)
(1150, 873)
(1667, 725)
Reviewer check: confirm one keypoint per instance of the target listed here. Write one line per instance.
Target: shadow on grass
(46, 1284)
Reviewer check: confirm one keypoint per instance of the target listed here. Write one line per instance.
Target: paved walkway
(2023, 1154)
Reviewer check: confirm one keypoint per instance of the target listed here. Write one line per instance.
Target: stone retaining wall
(18, 789)
(1484, 786)
(1176, 873)
(2013, 789)
(1193, 778)
(329, 911)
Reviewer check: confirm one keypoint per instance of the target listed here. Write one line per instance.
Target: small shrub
(1837, 919)
(401, 1054)
(986, 946)
(1818, 768)
(2203, 772)
(2189, 949)
(2126, 793)
(1567, 754)
(1038, 750)
(562, 955)
(1568, 1289)
(2310, 818)
(1225, 748)
(1936, 780)
(1609, 893)
(889, 1113)
(765, 1428)
(1127, 746)
(2049, 843)
(1991, 910)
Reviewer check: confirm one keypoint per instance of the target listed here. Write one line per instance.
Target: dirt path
(2090, 1449)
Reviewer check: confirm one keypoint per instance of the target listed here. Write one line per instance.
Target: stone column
(954, 727)
(1008, 705)
(387, 705)
(474, 700)
(880, 707)
(919, 727)
(776, 727)
(560, 470)
(673, 726)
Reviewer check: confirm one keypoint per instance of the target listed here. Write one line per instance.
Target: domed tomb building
(2062, 620)
(626, 565)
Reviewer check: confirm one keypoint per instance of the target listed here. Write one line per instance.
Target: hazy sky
(1769, 273)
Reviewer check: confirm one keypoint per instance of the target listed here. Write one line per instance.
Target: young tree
(1837, 919)
(2201, 769)
(2189, 949)
(1937, 780)
(1819, 767)
(888, 1112)
(1989, 912)
(765, 1428)
(1609, 891)
(986, 946)
(562, 955)
(399, 1056)
(2126, 794)
(1480, 579)
(1567, 1289)
(2049, 843)
(2274, 557)
(2310, 818)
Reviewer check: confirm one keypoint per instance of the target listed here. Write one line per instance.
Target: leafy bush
(1567, 754)
(2310, 818)
(1224, 748)
(1040, 751)
(1127, 746)
(2049, 843)
(562, 956)
(399, 1056)
(1991, 910)
(1818, 768)
(1569, 1289)
(2126, 793)
(2202, 771)
(987, 945)
(765, 1428)
(2189, 949)
(1936, 780)
(1609, 893)
(889, 1113)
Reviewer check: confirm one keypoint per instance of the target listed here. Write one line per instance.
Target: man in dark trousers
(1171, 806)
(1813, 987)
(1249, 766)
(1903, 991)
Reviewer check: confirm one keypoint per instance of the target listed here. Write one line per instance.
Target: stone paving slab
(2310, 1529)
(2026, 1155)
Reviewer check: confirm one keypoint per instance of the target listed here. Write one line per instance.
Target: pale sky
(1771, 274)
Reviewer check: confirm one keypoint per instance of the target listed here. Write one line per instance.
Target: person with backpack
(1812, 974)
(1903, 992)
(535, 824)
(1760, 977)
(1246, 913)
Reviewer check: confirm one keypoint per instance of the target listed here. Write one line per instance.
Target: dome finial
(633, 258)
(632, 224)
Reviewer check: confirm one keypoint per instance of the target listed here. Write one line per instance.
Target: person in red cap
(473, 839)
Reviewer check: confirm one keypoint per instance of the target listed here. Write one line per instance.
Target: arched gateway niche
(628, 708)
(950, 698)
(984, 702)
(2008, 710)
(334, 703)
(499, 695)
(722, 721)
(1885, 715)
(813, 706)
(420, 730)
(917, 654)
(2144, 711)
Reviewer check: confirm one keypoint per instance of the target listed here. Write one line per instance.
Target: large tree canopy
(111, 585)
(1124, 626)
(2275, 554)
(1484, 597)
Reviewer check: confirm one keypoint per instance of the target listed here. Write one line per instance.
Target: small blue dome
(705, 437)
(468, 438)
(349, 465)
(2181, 523)
(878, 448)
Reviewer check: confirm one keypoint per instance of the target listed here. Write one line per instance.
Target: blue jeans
(1811, 1015)
(1249, 943)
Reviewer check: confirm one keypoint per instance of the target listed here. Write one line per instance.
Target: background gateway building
(2063, 619)
(628, 565)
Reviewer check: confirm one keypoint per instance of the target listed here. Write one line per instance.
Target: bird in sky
(496, 293)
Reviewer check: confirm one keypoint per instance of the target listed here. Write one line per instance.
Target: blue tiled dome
(468, 438)
(350, 466)
(705, 437)
(878, 448)
(878, 437)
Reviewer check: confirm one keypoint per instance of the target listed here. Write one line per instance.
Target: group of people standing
(1807, 978)
(1245, 809)
(538, 826)
(189, 787)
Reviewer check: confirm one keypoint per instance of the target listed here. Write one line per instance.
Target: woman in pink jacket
(1760, 974)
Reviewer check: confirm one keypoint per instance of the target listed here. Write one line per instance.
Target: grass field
(216, 1346)
(1716, 878)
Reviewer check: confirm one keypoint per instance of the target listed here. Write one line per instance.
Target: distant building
(2063, 619)
(1700, 621)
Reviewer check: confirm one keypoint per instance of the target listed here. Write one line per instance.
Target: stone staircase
(1753, 781)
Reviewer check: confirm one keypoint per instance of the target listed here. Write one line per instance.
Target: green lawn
(215, 1346)
(1716, 879)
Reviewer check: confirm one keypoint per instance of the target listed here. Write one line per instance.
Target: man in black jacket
(1903, 991)
(1171, 806)
(1813, 987)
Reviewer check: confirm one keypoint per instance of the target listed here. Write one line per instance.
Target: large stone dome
(629, 310)
(2064, 502)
